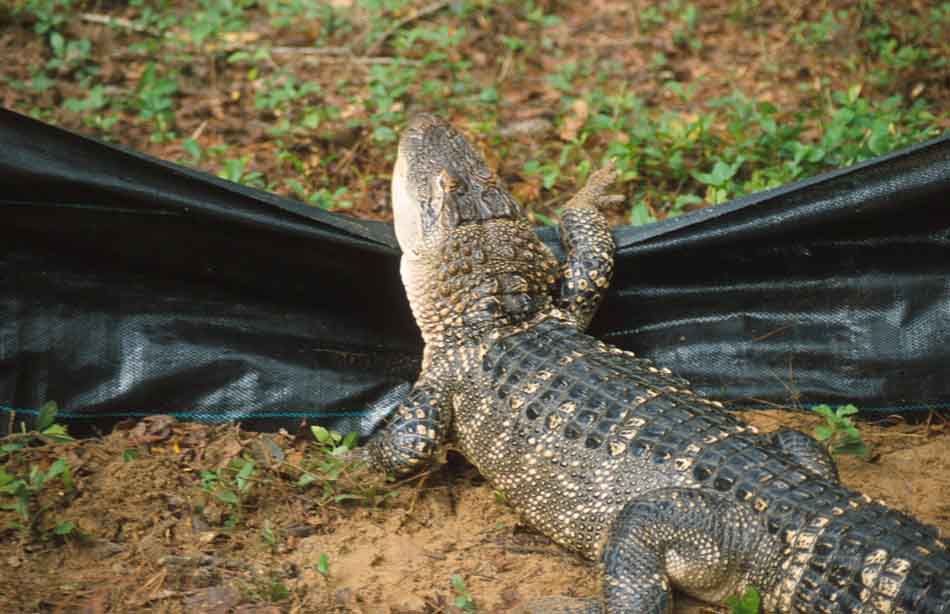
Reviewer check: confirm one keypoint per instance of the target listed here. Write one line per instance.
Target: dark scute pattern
(831, 535)
(593, 392)
(834, 530)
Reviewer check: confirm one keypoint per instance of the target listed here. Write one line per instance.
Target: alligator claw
(594, 193)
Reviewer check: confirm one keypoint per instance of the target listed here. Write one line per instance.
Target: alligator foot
(702, 543)
(414, 433)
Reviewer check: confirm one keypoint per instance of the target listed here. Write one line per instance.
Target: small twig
(418, 14)
(199, 130)
(415, 494)
(348, 158)
(505, 66)
(121, 22)
(31, 435)
(412, 478)
(780, 329)
(358, 60)
(311, 51)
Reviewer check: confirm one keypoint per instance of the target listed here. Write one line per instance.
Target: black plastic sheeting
(130, 286)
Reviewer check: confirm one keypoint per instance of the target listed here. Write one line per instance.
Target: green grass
(874, 65)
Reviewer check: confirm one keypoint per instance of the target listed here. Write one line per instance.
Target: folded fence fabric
(131, 286)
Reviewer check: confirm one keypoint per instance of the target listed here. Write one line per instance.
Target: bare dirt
(149, 537)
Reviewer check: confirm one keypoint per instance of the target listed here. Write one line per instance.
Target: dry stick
(505, 67)
(121, 22)
(357, 60)
(199, 130)
(419, 14)
(335, 55)
(311, 51)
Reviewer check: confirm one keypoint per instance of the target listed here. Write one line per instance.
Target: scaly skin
(610, 456)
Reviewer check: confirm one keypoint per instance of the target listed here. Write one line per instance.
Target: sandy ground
(150, 537)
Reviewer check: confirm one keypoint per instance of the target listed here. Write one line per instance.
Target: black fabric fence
(130, 286)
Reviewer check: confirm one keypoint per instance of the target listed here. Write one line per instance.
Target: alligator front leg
(414, 433)
(586, 237)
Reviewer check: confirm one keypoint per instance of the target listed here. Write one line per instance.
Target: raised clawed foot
(589, 245)
(595, 191)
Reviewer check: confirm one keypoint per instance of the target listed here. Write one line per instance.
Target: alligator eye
(447, 182)
(451, 183)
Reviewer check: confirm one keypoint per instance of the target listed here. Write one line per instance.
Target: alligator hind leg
(698, 542)
(702, 543)
(585, 234)
(805, 450)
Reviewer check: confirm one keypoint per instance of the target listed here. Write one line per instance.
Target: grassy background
(698, 102)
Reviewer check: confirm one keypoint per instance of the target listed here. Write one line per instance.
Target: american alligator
(607, 454)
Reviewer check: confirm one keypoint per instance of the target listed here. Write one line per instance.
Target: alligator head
(440, 182)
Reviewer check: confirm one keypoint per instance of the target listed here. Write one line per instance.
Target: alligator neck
(487, 276)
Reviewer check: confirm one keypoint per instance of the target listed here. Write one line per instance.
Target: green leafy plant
(70, 55)
(155, 101)
(291, 13)
(277, 591)
(214, 18)
(331, 450)
(651, 17)
(230, 485)
(50, 15)
(268, 536)
(235, 169)
(549, 172)
(332, 442)
(717, 179)
(25, 492)
(463, 598)
(330, 200)
(813, 34)
(748, 603)
(282, 90)
(839, 433)
(338, 472)
(535, 15)
(323, 564)
(389, 85)
(641, 214)
(685, 35)
(46, 429)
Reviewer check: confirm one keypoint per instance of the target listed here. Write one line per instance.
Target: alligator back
(572, 429)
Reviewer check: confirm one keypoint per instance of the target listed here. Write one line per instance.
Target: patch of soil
(152, 535)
